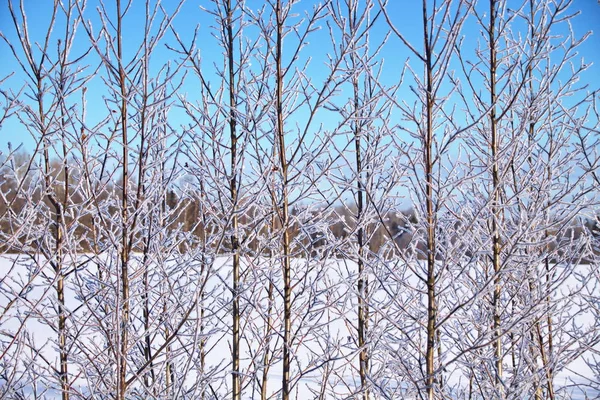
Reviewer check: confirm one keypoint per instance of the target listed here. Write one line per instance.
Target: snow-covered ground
(324, 352)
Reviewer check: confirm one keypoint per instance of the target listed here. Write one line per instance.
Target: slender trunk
(361, 286)
(124, 326)
(287, 298)
(439, 353)
(235, 377)
(430, 217)
(62, 331)
(141, 192)
(539, 335)
(544, 358)
(495, 211)
(471, 386)
(60, 285)
(269, 323)
(537, 389)
(203, 270)
(544, 355)
(149, 377)
(513, 342)
(283, 212)
(538, 328)
(547, 358)
(266, 359)
(360, 235)
(169, 371)
(202, 338)
(62, 326)
(59, 238)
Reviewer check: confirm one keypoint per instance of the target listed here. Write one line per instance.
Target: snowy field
(193, 300)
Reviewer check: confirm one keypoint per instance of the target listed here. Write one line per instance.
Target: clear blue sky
(406, 15)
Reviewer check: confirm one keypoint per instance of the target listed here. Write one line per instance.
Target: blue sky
(406, 15)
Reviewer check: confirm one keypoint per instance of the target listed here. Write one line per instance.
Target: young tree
(53, 79)
(366, 157)
(525, 147)
(434, 180)
(132, 306)
(587, 144)
(300, 161)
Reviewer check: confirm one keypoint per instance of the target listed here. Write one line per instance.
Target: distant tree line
(394, 227)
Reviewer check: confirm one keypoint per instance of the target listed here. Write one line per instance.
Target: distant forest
(389, 233)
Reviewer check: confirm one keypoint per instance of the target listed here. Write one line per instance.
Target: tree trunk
(430, 217)
(235, 378)
(124, 317)
(283, 211)
(495, 211)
